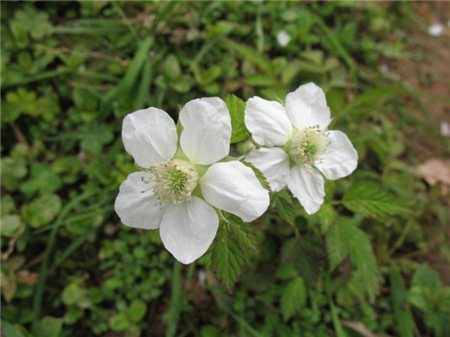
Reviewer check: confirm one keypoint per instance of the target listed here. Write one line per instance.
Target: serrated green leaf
(233, 248)
(306, 255)
(345, 239)
(425, 276)
(259, 175)
(293, 297)
(337, 246)
(371, 201)
(367, 102)
(236, 106)
(284, 207)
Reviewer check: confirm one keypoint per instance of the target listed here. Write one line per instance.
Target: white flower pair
(180, 185)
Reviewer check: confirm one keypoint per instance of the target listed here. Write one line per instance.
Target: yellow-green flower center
(175, 180)
(306, 146)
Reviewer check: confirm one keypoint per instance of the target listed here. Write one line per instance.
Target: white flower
(436, 29)
(178, 188)
(296, 147)
(283, 38)
(445, 129)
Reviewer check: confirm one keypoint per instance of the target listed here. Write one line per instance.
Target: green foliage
(402, 312)
(428, 295)
(345, 239)
(42, 180)
(307, 256)
(233, 248)
(236, 107)
(48, 326)
(284, 206)
(71, 71)
(370, 200)
(42, 210)
(293, 297)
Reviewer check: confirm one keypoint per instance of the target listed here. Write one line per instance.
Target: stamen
(175, 180)
(308, 145)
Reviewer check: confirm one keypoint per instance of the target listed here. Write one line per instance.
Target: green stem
(175, 301)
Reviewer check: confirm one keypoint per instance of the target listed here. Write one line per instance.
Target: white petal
(273, 163)
(206, 133)
(307, 106)
(340, 158)
(136, 204)
(188, 229)
(233, 187)
(150, 136)
(267, 122)
(307, 185)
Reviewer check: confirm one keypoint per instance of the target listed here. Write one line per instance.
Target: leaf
(73, 293)
(9, 225)
(259, 175)
(306, 255)
(333, 41)
(171, 67)
(233, 248)
(95, 136)
(345, 239)
(252, 56)
(10, 330)
(402, 313)
(43, 180)
(261, 81)
(293, 297)
(428, 294)
(337, 246)
(290, 72)
(48, 327)
(367, 102)
(425, 276)
(9, 283)
(327, 216)
(136, 311)
(42, 210)
(370, 200)
(133, 71)
(284, 207)
(236, 107)
(120, 322)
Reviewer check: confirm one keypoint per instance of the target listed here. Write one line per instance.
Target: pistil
(307, 145)
(175, 180)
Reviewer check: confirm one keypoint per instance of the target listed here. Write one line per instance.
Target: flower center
(175, 180)
(307, 145)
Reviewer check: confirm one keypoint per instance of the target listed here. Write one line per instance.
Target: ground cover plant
(373, 260)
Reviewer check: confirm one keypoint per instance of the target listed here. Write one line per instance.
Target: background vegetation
(372, 262)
